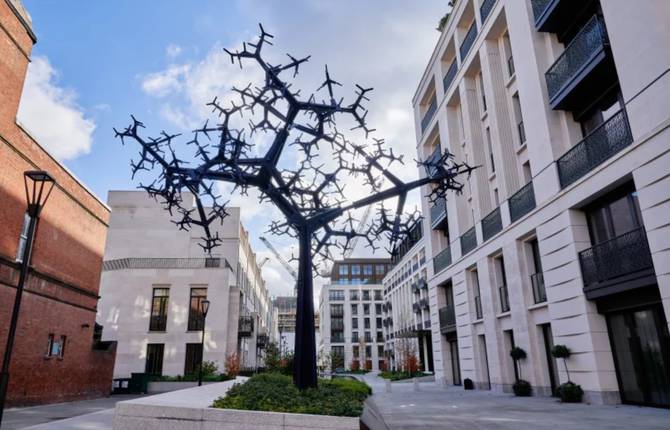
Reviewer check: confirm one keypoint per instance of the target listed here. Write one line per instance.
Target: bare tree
(305, 186)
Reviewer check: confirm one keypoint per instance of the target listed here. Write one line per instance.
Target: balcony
(430, 112)
(442, 260)
(415, 288)
(611, 137)
(620, 264)
(468, 40)
(422, 284)
(450, 75)
(553, 16)
(504, 298)
(539, 292)
(416, 307)
(583, 71)
(447, 319)
(522, 202)
(468, 241)
(424, 303)
(262, 341)
(438, 215)
(485, 9)
(491, 224)
(245, 326)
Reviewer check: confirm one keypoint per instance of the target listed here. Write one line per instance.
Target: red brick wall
(61, 293)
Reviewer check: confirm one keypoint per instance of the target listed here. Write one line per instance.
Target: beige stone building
(562, 236)
(154, 279)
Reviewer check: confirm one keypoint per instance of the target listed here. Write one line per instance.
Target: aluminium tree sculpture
(305, 189)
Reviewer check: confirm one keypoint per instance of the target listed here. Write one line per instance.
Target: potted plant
(569, 392)
(521, 387)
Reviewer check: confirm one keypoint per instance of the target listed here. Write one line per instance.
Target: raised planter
(189, 409)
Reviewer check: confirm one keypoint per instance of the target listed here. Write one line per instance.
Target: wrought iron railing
(491, 224)
(468, 40)
(245, 326)
(450, 75)
(590, 40)
(424, 303)
(504, 298)
(485, 9)
(539, 7)
(609, 138)
(539, 291)
(447, 317)
(157, 322)
(429, 114)
(438, 211)
(522, 202)
(478, 307)
(468, 241)
(623, 255)
(442, 260)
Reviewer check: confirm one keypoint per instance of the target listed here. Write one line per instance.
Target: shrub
(560, 351)
(393, 375)
(383, 366)
(276, 393)
(412, 364)
(570, 392)
(192, 378)
(355, 365)
(522, 388)
(368, 365)
(273, 359)
(287, 364)
(209, 368)
(232, 364)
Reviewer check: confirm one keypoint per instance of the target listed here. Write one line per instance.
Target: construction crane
(262, 263)
(282, 261)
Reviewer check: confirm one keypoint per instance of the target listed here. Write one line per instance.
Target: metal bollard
(388, 386)
(416, 384)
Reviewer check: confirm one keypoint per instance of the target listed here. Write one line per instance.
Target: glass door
(641, 348)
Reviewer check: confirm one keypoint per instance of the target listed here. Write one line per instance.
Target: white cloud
(163, 83)
(51, 113)
(172, 50)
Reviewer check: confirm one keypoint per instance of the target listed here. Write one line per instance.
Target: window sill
(479, 321)
(510, 80)
(522, 147)
(504, 314)
(492, 176)
(540, 305)
(485, 115)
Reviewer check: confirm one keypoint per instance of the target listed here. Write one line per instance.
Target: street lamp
(204, 308)
(38, 186)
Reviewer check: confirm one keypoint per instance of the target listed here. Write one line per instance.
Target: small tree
(355, 365)
(273, 357)
(209, 368)
(517, 354)
(336, 361)
(562, 351)
(232, 364)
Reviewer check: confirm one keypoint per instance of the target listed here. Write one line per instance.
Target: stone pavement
(84, 414)
(437, 407)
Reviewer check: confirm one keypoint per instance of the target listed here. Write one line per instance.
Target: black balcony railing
(415, 288)
(590, 41)
(539, 292)
(478, 307)
(438, 213)
(442, 260)
(422, 283)
(424, 303)
(611, 137)
(485, 9)
(245, 326)
(157, 322)
(450, 75)
(468, 241)
(504, 298)
(522, 202)
(624, 255)
(432, 107)
(416, 307)
(447, 318)
(262, 340)
(468, 40)
(491, 224)
(539, 8)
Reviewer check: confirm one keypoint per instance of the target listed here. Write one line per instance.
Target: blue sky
(95, 63)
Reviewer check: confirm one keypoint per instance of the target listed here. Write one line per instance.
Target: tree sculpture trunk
(304, 359)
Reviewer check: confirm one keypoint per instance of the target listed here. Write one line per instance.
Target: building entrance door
(455, 362)
(641, 348)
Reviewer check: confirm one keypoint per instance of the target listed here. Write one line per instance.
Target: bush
(570, 392)
(522, 388)
(233, 364)
(560, 351)
(192, 378)
(397, 376)
(209, 368)
(275, 392)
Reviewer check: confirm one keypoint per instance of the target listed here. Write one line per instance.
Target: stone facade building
(562, 236)
(351, 315)
(55, 357)
(154, 279)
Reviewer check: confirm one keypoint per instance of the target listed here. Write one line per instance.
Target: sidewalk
(82, 414)
(438, 407)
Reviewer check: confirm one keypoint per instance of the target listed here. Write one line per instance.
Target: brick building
(61, 292)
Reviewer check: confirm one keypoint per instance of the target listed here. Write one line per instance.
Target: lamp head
(204, 307)
(38, 185)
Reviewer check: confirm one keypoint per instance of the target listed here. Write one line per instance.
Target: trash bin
(139, 383)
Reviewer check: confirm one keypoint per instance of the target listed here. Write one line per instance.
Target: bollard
(416, 384)
(388, 386)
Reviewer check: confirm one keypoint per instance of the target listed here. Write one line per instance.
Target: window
(380, 350)
(154, 363)
(378, 308)
(344, 270)
(614, 215)
(354, 309)
(193, 358)
(356, 349)
(353, 295)
(354, 323)
(507, 46)
(366, 295)
(368, 351)
(355, 270)
(195, 317)
(499, 264)
(476, 295)
(380, 337)
(379, 295)
(380, 269)
(159, 307)
(354, 336)
(379, 322)
(336, 295)
(489, 145)
(23, 238)
(366, 309)
(367, 269)
(55, 348)
(527, 174)
(336, 310)
(519, 118)
(367, 322)
(481, 91)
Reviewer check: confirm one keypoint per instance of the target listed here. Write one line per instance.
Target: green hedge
(275, 392)
(397, 376)
(192, 378)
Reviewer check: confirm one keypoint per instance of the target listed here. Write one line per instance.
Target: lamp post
(204, 308)
(38, 186)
